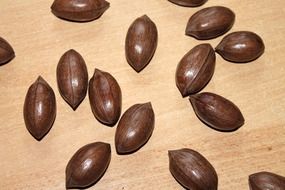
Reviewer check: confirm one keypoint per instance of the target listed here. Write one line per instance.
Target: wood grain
(39, 39)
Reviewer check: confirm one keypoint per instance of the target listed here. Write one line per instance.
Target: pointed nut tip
(111, 122)
(96, 70)
(119, 150)
(137, 69)
(181, 90)
(39, 78)
(192, 97)
(71, 51)
(148, 104)
(145, 16)
(107, 4)
(189, 31)
(68, 184)
(251, 176)
(74, 106)
(251, 180)
(12, 54)
(218, 48)
(170, 152)
(183, 93)
(52, 6)
(106, 144)
(38, 137)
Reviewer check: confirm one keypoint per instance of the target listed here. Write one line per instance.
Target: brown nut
(210, 22)
(79, 10)
(88, 165)
(195, 69)
(6, 52)
(72, 78)
(241, 47)
(141, 42)
(217, 111)
(39, 108)
(266, 181)
(188, 3)
(134, 128)
(192, 170)
(105, 97)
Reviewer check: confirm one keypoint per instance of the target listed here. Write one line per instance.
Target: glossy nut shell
(72, 78)
(141, 42)
(192, 170)
(39, 108)
(210, 22)
(79, 10)
(241, 47)
(195, 69)
(105, 97)
(134, 128)
(88, 165)
(217, 111)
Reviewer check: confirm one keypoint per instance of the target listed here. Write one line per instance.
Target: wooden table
(39, 39)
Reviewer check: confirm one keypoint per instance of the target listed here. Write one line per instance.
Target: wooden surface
(39, 39)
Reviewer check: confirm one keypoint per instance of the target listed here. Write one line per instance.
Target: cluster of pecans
(89, 163)
(135, 126)
(194, 71)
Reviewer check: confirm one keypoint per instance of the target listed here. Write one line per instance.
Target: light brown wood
(39, 39)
